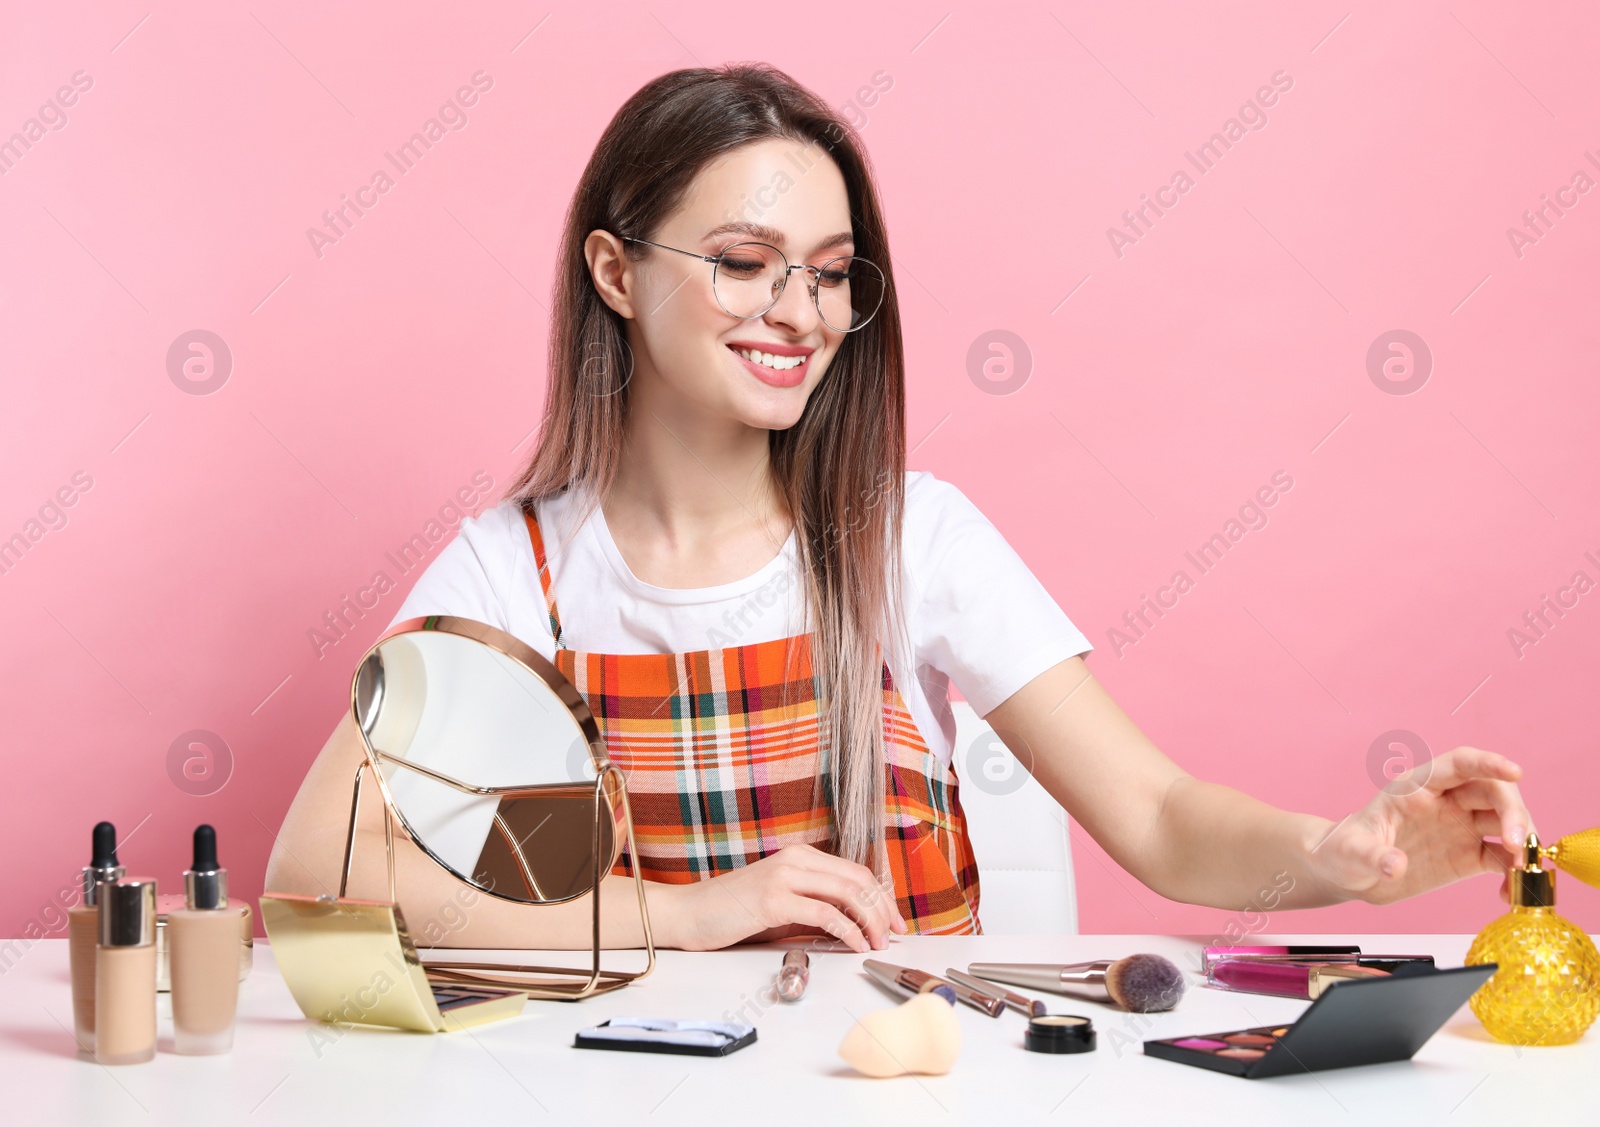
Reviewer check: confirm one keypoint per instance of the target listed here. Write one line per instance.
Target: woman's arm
(796, 890)
(1208, 844)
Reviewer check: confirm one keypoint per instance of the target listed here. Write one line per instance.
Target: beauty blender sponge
(921, 1034)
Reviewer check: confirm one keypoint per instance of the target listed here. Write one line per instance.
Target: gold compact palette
(1358, 1021)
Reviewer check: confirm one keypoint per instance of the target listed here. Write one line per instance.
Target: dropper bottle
(83, 931)
(203, 938)
(125, 973)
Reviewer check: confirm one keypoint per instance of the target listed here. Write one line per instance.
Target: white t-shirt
(976, 615)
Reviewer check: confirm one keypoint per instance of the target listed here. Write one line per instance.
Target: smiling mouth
(769, 360)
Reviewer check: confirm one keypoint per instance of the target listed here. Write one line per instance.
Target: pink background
(1230, 343)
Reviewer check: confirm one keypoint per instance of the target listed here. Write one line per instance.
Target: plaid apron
(720, 752)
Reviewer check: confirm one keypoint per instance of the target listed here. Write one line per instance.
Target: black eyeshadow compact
(1357, 1021)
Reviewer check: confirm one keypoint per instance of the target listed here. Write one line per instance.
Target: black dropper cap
(205, 849)
(205, 884)
(103, 866)
(105, 846)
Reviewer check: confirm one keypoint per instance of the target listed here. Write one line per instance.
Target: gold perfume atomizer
(1547, 990)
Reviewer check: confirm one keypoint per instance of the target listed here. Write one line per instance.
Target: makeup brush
(1139, 983)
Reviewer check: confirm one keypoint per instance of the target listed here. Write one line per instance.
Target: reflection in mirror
(489, 758)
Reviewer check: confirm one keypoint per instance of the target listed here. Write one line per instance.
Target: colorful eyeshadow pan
(1259, 1040)
(1243, 1048)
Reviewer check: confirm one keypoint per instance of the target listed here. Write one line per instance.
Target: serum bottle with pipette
(203, 937)
(83, 931)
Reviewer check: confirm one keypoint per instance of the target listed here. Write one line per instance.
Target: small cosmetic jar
(1059, 1033)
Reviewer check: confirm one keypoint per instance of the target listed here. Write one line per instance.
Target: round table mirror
(489, 758)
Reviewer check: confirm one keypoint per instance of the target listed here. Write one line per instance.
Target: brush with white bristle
(1139, 983)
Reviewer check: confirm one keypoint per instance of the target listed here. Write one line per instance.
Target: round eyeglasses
(747, 280)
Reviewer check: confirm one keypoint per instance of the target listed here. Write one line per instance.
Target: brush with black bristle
(1138, 983)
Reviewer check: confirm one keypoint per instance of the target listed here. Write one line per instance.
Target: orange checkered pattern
(721, 755)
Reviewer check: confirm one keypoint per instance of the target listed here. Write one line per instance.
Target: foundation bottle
(125, 973)
(203, 941)
(166, 904)
(83, 932)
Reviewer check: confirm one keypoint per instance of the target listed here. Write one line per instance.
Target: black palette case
(1360, 1021)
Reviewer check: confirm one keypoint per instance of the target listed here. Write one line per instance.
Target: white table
(525, 1071)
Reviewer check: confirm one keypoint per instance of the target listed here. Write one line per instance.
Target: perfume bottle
(1547, 990)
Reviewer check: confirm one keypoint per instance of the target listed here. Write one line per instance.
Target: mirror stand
(565, 986)
(456, 717)
(353, 961)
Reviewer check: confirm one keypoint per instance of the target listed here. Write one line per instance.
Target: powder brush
(1139, 983)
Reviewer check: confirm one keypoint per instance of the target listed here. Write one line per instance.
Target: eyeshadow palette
(1358, 1021)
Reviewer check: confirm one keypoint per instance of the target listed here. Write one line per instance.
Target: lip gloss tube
(1390, 963)
(1208, 955)
(793, 975)
(1285, 980)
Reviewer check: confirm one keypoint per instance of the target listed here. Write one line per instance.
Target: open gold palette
(1358, 1021)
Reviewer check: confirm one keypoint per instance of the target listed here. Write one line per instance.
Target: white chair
(1019, 835)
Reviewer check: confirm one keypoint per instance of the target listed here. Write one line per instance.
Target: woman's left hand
(1426, 829)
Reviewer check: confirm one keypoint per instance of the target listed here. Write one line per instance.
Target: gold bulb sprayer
(1577, 854)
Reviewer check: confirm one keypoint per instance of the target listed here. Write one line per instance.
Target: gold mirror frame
(611, 811)
(376, 687)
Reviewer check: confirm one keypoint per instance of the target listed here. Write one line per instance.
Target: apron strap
(542, 563)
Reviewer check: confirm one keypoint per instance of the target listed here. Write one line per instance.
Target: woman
(717, 522)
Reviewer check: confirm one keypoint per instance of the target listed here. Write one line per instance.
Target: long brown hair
(840, 469)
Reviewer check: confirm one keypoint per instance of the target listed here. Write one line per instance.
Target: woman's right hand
(798, 889)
